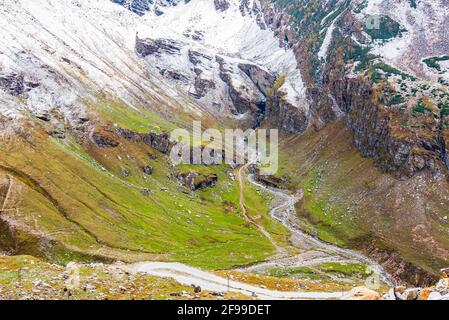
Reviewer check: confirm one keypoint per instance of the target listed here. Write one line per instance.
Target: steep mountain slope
(88, 90)
(381, 66)
(85, 171)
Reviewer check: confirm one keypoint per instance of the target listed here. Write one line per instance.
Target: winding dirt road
(285, 213)
(208, 281)
(240, 175)
(282, 212)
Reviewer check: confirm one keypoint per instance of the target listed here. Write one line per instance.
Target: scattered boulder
(124, 172)
(152, 156)
(196, 289)
(195, 180)
(148, 170)
(411, 294)
(443, 286)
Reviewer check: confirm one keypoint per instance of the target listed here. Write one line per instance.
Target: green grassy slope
(349, 202)
(69, 200)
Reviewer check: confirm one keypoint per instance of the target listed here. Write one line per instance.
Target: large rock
(147, 170)
(412, 293)
(443, 286)
(195, 180)
(361, 293)
(160, 142)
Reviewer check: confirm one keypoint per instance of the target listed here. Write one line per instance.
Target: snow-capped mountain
(200, 55)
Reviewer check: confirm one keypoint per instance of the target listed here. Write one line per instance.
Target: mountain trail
(315, 251)
(240, 174)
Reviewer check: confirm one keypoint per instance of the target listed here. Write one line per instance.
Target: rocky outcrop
(400, 269)
(377, 129)
(146, 47)
(195, 180)
(241, 99)
(195, 57)
(141, 7)
(15, 84)
(202, 87)
(104, 139)
(375, 133)
(221, 5)
(174, 75)
(261, 78)
(268, 180)
(160, 142)
(283, 115)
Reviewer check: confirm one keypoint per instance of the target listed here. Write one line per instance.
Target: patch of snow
(76, 49)
(322, 53)
(426, 35)
(228, 33)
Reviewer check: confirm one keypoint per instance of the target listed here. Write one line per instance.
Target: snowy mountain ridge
(72, 49)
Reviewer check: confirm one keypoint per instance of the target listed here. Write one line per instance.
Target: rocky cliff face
(350, 68)
(215, 64)
(359, 60)
(141, 7)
